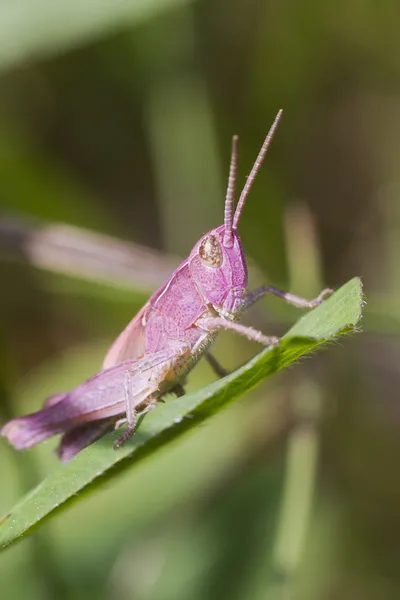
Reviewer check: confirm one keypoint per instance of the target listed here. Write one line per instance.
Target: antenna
(230, 194)
(255, 169)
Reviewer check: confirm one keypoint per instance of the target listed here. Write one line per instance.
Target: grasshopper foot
(124, 437)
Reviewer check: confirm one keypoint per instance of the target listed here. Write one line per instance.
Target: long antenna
(230, 194)
(255, 169)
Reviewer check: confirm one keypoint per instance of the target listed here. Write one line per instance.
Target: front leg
(290, 298)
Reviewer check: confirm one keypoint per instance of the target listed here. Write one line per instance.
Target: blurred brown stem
(81, 253)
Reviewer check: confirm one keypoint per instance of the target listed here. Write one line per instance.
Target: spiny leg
(290, 298)
(142, 392)
(215, 323)
(151, 402)
(214, 364)
(124, 437)
(130, 410)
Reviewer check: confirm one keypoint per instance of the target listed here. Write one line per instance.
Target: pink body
(162, 343)
(156, 349)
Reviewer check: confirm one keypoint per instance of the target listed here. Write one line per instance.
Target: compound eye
(210, 252)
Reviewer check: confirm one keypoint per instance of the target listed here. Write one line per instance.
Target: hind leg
(141, 386)
(150, 403)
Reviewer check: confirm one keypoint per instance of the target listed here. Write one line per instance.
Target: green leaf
(339, 314)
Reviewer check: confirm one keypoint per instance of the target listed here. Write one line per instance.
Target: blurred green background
(117, 117)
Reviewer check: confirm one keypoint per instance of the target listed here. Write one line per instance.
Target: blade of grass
(81, 253)
(338, 315)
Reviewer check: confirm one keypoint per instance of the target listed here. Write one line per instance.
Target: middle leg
(298, 301)
(214, 364)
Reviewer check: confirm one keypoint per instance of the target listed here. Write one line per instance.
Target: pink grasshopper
(152, 356)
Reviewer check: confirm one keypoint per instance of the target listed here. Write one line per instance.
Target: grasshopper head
(217, 262)
(220, 272)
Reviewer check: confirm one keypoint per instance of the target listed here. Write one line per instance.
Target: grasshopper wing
(130, 344)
